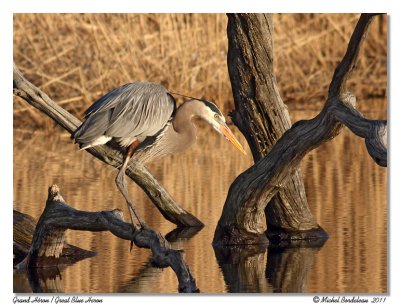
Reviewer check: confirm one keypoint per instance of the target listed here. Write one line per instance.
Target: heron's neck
(182, 121)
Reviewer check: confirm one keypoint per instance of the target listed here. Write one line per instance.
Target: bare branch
(373, 131)
(349, 61)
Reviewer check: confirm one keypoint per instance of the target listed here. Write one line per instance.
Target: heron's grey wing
(109, 100)
(97, 116)
(92, 128)
(134, 110)
(147, 109)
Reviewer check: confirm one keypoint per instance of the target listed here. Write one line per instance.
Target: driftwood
(262, 117)
(41, 280)
(23, 229)
(243, 213)
(136, 171)
(48, 239)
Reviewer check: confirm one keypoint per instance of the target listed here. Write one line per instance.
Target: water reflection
(260, 269)
(45, 280)
(288, 268)
(243, 268)
(345, 189)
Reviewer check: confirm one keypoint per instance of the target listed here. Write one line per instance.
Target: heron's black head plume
(209, 104)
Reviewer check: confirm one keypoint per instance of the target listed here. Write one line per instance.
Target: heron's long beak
(224, 129)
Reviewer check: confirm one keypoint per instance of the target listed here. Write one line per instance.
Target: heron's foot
(142, 224)
(135, 215)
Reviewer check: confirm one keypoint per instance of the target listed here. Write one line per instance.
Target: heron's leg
(120, 181)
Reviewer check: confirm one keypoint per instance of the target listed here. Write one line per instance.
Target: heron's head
(211, 113)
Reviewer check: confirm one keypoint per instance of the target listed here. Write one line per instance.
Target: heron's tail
(96, 142)
(91, 132)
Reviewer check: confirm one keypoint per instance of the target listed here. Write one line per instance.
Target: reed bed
(76, 58)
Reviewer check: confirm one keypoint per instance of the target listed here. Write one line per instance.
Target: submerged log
(136, 171)
(243, 213)
(58, 216)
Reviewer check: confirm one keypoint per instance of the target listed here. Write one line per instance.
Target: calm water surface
(346, 191)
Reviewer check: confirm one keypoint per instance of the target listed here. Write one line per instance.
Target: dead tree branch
(243, 212)
(58, 216)
(136, 171)
(349, 61)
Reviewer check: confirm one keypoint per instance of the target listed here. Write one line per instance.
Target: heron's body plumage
(130, 112)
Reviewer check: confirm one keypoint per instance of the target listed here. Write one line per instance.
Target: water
(346, 191)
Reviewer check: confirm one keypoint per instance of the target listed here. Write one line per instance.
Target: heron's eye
(216, 116)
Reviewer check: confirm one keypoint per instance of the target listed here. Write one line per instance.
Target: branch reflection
(273, 269)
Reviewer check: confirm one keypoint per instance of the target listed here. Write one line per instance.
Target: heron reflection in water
(143, 120)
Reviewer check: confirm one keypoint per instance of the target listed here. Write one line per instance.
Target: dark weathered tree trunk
(243, 213)
(262, 117)
(136, 171)
(48, 239)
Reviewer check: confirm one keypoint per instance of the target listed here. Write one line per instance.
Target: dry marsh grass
(76, 58)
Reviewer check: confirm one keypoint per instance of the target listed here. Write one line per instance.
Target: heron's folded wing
(141, 110)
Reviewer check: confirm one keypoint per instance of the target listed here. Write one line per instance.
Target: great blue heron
(142, 118)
